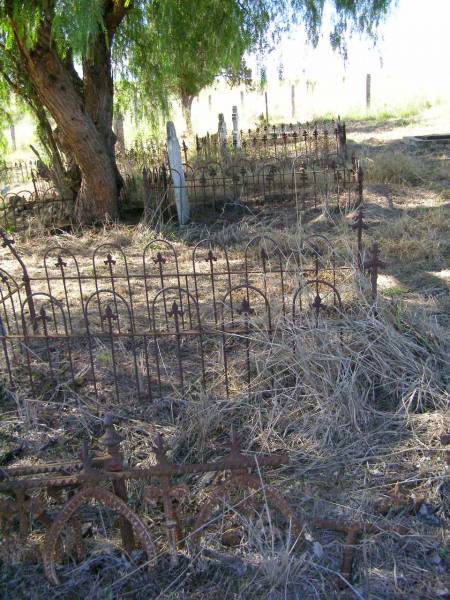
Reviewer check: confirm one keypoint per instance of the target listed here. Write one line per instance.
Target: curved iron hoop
(54, 302)
(177, 312)
(180, 291)
(51, 190)
(62, 251)
(315, 282)
(247, 286)
(258, 238)
(112, 246)
(160, 261)
(61, 265)
(5, 276)
(154, 243)
(112, 293)
(209, 167)
(111, 273)
(109, 500)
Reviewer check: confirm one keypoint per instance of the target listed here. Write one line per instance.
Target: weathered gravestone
(177, 172)
(222, 135)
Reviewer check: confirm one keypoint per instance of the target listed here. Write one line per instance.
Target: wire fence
(17, 172)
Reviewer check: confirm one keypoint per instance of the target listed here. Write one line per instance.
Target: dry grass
(358, 406)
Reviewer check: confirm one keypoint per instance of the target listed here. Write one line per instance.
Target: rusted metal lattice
(55, 494)
(175, 327)
(245, 185)
(319, 141)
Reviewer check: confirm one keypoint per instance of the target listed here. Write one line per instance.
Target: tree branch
(115, 15)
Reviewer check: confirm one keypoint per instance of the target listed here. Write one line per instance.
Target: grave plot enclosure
(162, 323)
(246, 185)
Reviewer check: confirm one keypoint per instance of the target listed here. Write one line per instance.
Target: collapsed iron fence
(174, 326)
(229, 508)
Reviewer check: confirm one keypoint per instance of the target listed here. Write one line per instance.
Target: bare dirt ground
(360, 417)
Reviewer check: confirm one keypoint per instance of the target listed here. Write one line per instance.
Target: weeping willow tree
(189, 44)
(59, 57)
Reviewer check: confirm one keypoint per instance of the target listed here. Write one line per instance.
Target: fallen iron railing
(34, 490)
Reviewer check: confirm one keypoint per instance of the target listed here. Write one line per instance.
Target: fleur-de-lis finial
(109, 259)
(159, 259)
(210, 257)
(109, 315)
(175, 311)
(60, 262)
(43, 315)
(318, 304)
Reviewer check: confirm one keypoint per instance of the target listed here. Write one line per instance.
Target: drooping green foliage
(175, 48)
(178, 48)
(156, 50)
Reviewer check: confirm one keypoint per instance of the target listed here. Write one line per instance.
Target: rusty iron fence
(160, 325)
(20, 171)
(56, 500)
(21, 209)
(245, 185)
(319, 142)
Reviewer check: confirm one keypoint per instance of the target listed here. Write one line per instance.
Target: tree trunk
(67, 181)
(186, 108)
(91, 143)
(99, 97)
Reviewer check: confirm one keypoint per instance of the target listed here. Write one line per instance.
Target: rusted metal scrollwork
(87, 479)
(107, 499)
(103, 479)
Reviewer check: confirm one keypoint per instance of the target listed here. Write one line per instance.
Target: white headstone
(236, 132)
(176, 166)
